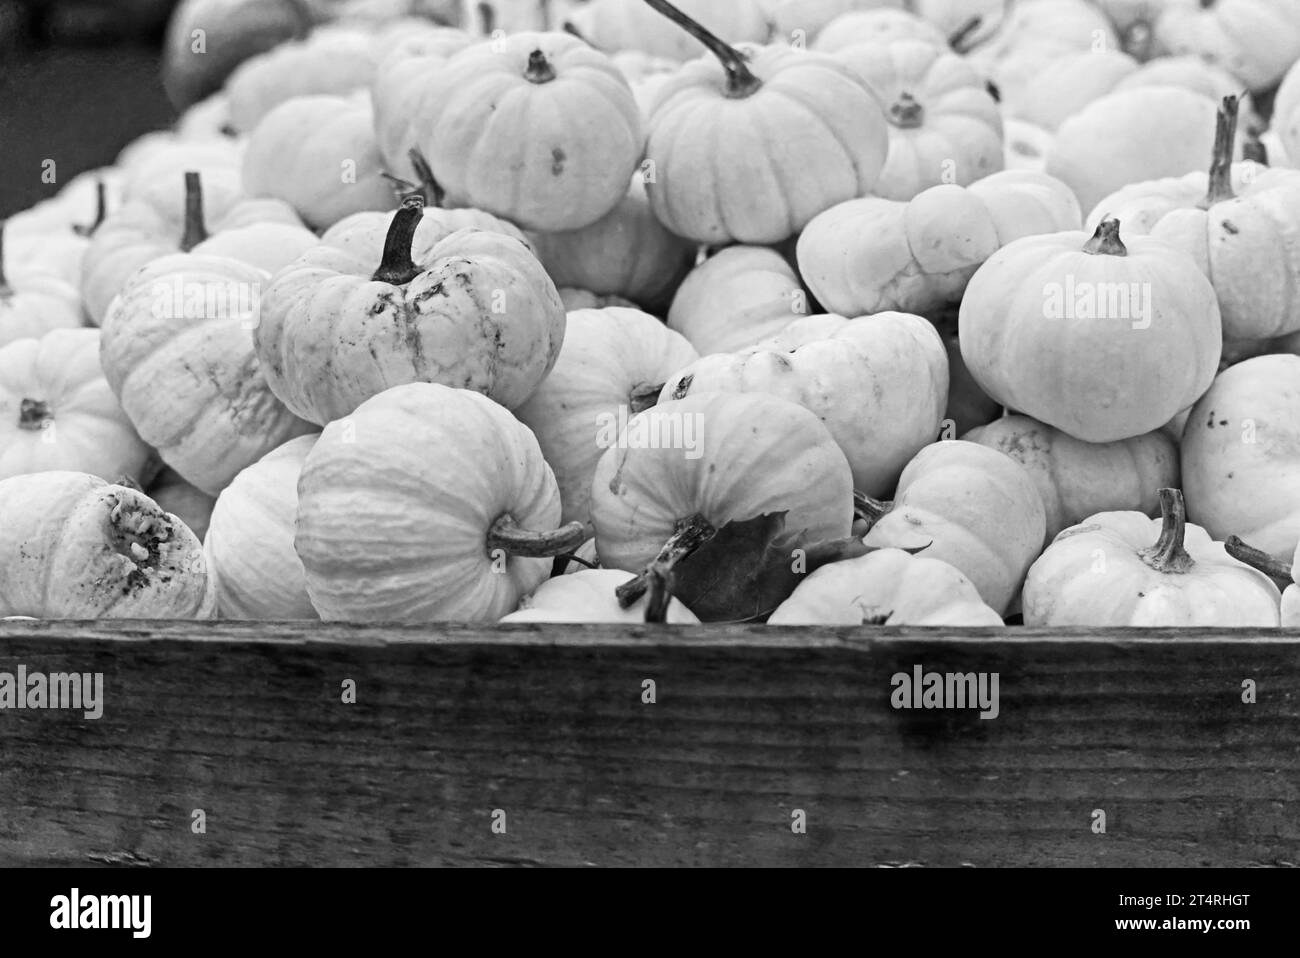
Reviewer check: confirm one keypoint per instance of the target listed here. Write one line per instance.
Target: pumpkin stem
(741, 81)
(512, 539)
(691, 533)
(562, 562)
(906, 113)
(1258, 559)
(1225, 131)
(1136, 40)
(1106, 241)
(33, 414)
(644, 397)
(101, 209)
(960, 41)
(868, 509)
(573, 31)
(195, 230)
(1253, 148)
(429, 187)
(659, 594)
(539, 68)
(1168, 554)
(396, 266)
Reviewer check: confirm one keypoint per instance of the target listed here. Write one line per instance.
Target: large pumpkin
(944, 125)
(1256, 40)
(748, 147)
(249, 541)
(72, 546)
(177, 348)
(612, 366)
(1123, 569)
(874, 255)
(57, 412)
(476, 310)
(879, 383)
(426, 504)
(886, 587)
(1078, 479)
(972, 507)
(1241, 454)
(1103, 340)
(735, 298)
(536, 127)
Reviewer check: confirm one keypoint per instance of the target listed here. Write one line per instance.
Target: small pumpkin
(1287, 573)
(34, 302)
(58, 249)
(177, 348)
(735, 298)
(75, 547)
(886, 587)
(1256, 40)
(879, 384)
(427, 504)
(873, 255)
(182, 499)
(1103, 340)
(977, 509)
(751, 147)
(1124, 570)
(612, 366)
(318, 154)
(589, 596)
(613, 25)
(877, 25)
(156, 163)
(1078, 479)
(475, 310)
(625, 253)
(944, 125)
(270, 246)
(538, 128)
(1049, 28)
(249, 542)
(57, 412)
(1241, 454)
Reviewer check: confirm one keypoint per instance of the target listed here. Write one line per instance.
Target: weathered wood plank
(546, 723)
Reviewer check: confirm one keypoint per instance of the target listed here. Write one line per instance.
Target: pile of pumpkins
(921, 312)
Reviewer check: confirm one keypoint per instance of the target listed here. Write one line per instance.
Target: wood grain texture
(546, 723)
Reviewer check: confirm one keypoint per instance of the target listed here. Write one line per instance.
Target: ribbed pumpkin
(882, 24)
(612, 366)
(874, 255)
(1123, 569)
(249, 542)
(977, 509)
(748, 147)
(57, 412)
(589, 596)
(34, 302)
(879, 384)
(1078, 479)
(944, 125)
(50, 244)
(886, 587)
(1256, 40)
(318, 154)
(177, 348)
(476, 310)
(1241, 455)
(72, 546)
(735, 298)
(1103, 340)
(427, 504)
(536, 127)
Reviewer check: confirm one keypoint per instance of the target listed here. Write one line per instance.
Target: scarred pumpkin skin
(753, 455)
(538, 128)
(58, 413)
(1124, 569)
(1078, 479)
(612, 359)
(1241, 455)
(476, 311)
(187, 375)
(72, 546)
(396, 505)
(588, 596)
(886, 587)
(874, 255)
(977, 508)
(736, 298)
(879, 384)
(1118, 369)
(249, 542)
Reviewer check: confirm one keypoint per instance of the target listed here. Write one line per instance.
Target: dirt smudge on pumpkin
(558, 159)
(1231, 227)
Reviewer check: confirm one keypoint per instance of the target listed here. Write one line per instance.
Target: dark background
(79, 79)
